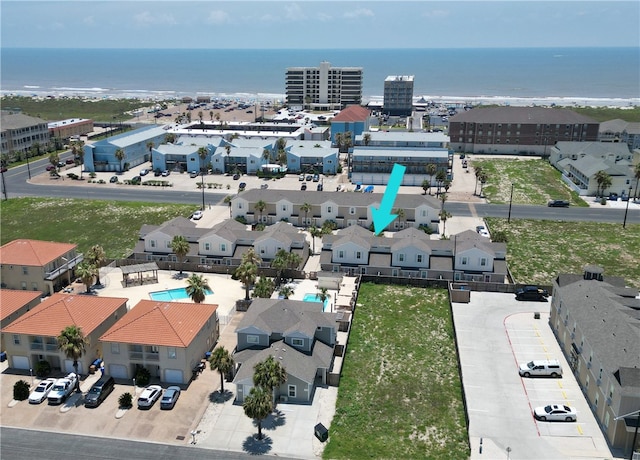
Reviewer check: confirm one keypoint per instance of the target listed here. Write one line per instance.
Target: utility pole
(510, 202)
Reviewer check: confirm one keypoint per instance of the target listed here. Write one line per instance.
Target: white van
(547, 368)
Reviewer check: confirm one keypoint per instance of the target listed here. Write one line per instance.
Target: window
(297, 342)
(419, 258)
(23, 285)
(329, 209)
(16, 339)
(284, 207)
(483, 262)
(291, 391)
(340, 254)
(171, 352)
(154, 349)
(352, 210)
(25, 270)
(465, 260)
(115, 348)
(152, 243)
(400, 257)
(358, 255)
(223, 247)
(606, 419)
(253, 339)
(207, 246)
(168, 244)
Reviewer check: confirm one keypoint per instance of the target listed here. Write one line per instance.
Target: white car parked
(149, 396)
(41, 391)
(555, 413)
(197, 215)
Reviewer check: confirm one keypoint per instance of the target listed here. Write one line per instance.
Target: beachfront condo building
(22, 133)
(518, 130)
(398, 95)
(323, 88)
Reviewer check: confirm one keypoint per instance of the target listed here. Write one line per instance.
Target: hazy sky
(318, 24)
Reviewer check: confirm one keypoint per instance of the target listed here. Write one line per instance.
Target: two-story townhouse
(411, 253)
(155, 241)
(169, 339)
(299, 335)
(620, 131)
(14, 304)
(36, 265)
(594, 318)
(32, 337)
(312, 157)
(182, 156)
(345, 209)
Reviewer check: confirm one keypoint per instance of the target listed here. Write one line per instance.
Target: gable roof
(34, 253)
(281, 315)
(12, 300)
(55, 313)
(352, 113)
(170, 324)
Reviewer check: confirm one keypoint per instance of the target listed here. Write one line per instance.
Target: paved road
(17, 186)
(20, 444)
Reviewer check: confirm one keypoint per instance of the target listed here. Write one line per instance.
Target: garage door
(118, 371)
(20, 362)
(173, 376)
(68, 366)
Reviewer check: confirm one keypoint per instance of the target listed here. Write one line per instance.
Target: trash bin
(321, 432)
(536, 315)
(3, 357)
(207, 355)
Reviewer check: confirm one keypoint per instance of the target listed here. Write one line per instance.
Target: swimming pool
(173, 294)
(312, 297)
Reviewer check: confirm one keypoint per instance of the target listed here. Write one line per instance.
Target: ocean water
(585, 76)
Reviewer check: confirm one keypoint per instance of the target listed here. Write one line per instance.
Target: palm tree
(78, 154)
(366, 139)
(440, 178)
(443, 199)
(180, 246)
(305, 207)
(315, 232)
(483, 180)
(604, 181)
(200, 115)
(96, 257)
(478, 172)
(269, 374)
(286, 291)
(251, 257)
(86, 272)
(227, 148)
(150, 147)
(260, 206)
(257, 406)
(170, 138)
(120, 156)
(73, 344)
(431, 170)
(54, 159)
(284, 260)
(636, 174)
(322, 294)
(211, 115)
(266, 155)
(197, 287)
(400, 213)
(247, 273)
(264, 288)
(222, 362)
(444, 215)
(202, 153)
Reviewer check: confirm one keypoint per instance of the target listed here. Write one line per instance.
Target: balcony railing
(36, 346)
(137, 355)
(152, 356)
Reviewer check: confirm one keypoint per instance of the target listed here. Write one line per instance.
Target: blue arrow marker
(382, 216)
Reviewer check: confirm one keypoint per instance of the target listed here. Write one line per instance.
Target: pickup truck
(62, 389)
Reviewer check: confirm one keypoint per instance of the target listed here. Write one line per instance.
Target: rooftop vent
(593, 272)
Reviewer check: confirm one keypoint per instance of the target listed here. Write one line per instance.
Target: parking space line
(579, 429)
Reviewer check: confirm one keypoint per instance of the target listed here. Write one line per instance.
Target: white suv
(548, 368)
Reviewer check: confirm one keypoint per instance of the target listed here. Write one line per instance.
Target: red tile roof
(33, 253)
(352, 113)
(55, 313)
(169, 324)
(11, 300)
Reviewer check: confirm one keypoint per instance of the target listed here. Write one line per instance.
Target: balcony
(57, 272)
(36, 346)
(152, 356)
(136, 356)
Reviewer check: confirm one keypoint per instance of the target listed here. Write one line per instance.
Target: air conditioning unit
(284, 399)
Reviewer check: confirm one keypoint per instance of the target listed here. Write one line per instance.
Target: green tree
(315, 232)
(180, 246)
(170, 138)
(202, 153)
(426, 185)
(260, 206)
(119, 154)
(227, 149)
(86, 272)
(54, 159)
(96, 257)
(286, 291)
(257, 405)
(441, 176)
(323, 294)
(443, 200)
(478, 172)
(150, 147)
(78, 154)
(305, 207)
(73, 344)
(401, 215)
(604, 182)
(283, 261)
(366, 139)
(247, 274)
(431, 171)
(197, 287)
(269, 374)
(221, 361)
(444, 215)
(264, 288)
(483, 178)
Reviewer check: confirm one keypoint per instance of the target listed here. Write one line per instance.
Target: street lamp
(624, 224)
(202, 187)
(28, 168)
(510, 202)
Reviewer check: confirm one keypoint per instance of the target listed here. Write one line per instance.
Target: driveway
(499, 401)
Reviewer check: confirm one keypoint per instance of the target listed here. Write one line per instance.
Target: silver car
(170, 397)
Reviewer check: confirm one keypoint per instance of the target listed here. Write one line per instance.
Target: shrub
(92, 175)
(142, 377)
(125, 400)
(20, 390)
(43, 368)
(425, 228)
(242, 220)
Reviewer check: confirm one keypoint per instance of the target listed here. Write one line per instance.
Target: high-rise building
(323, 87)
(398, 95)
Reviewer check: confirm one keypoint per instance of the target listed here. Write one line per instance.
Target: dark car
(242, 185)
(50, 167)
(319, 187)
(558, 204)
(69, 161)
(113, 179)
(303, 186)
(309, 177)
(316, 177)
(136, 179)
(532, 293)
(236, 176)
(157, 173)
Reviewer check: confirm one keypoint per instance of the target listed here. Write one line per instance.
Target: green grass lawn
(539, 250)
(400, 392)
(534, 182)
(113, 225)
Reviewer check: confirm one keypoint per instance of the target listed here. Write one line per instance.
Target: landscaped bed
(400, 391)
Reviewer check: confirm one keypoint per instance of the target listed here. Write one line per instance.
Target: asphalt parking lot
(500, 403)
